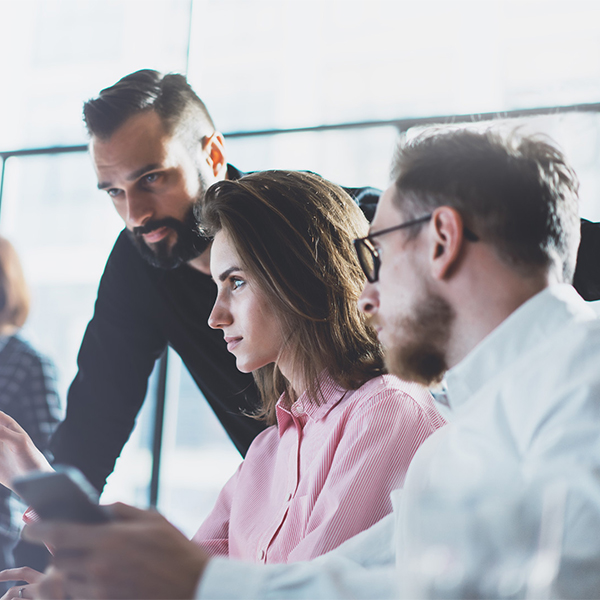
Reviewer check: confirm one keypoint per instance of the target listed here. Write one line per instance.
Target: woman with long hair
(342, 431)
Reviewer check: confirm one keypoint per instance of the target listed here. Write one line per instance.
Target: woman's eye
(237, 283)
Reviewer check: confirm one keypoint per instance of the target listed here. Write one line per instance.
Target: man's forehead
(141, 128)
(387, 213)
(134, 146)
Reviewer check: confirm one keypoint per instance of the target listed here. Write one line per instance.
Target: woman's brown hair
(294, 232)
(14, 294)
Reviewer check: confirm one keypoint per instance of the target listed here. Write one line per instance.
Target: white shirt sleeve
(364, 567)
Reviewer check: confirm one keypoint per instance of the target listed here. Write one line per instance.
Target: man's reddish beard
(416, 350)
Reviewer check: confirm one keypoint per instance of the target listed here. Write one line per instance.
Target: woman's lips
(232, 342)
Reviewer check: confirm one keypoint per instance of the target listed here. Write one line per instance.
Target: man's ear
(446, 241)
(214, 152)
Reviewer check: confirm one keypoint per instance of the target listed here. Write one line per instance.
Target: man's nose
(140, 208)
(369, 299)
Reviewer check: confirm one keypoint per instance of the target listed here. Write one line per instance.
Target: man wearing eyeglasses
(468, 263)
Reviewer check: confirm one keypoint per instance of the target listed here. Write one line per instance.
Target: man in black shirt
(155, 151)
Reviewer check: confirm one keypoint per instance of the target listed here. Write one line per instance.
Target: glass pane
(310, 63)
(62, 52)
(197, 458)
(64, 229)
(353, 158)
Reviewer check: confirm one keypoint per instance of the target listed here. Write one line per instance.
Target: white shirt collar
(523, 329)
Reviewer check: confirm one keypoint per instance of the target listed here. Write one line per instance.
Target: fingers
(124, 512)
(137, 555)
(13, 440)
(21, 574)
(60, 534)
(79, 537)
(60, 590)
(58, 585)
(21, 591)
(10, 423)
(52, 587)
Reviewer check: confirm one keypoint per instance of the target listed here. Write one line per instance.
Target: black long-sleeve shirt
(587, 273)
(139, 310)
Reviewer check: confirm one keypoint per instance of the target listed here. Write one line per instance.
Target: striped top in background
(28, 394)
(321, 475)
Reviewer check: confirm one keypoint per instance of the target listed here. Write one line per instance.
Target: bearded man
(155, 150)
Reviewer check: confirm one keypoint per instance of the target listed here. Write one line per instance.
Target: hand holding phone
(62, 495)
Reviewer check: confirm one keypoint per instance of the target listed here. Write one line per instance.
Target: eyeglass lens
(367, 259)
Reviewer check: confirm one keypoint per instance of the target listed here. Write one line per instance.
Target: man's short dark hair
(516, 192)
(170, 96)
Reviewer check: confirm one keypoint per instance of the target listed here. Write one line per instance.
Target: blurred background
(324, 85)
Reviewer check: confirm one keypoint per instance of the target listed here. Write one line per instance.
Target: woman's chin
(247, 366)
(243, 366)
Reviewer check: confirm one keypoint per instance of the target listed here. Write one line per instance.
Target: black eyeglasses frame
(364, 243)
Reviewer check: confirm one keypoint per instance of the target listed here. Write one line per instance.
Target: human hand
(51, 586)
(31, 576)
(137, 555)
(18, 454)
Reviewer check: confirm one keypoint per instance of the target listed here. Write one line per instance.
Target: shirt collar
(526, 327)
(304, 408)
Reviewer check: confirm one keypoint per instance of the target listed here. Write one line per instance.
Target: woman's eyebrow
(225, 274)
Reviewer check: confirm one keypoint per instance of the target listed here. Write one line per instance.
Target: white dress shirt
(524, 408)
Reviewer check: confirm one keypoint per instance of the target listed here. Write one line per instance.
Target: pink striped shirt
(322, 474)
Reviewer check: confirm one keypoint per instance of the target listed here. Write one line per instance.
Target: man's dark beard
(418, 350)
(189, 244)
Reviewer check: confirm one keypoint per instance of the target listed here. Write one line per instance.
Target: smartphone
(64, 495)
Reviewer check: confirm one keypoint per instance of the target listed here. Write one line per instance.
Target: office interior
(323, 85)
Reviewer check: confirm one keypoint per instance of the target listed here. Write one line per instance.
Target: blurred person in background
(27, 392)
